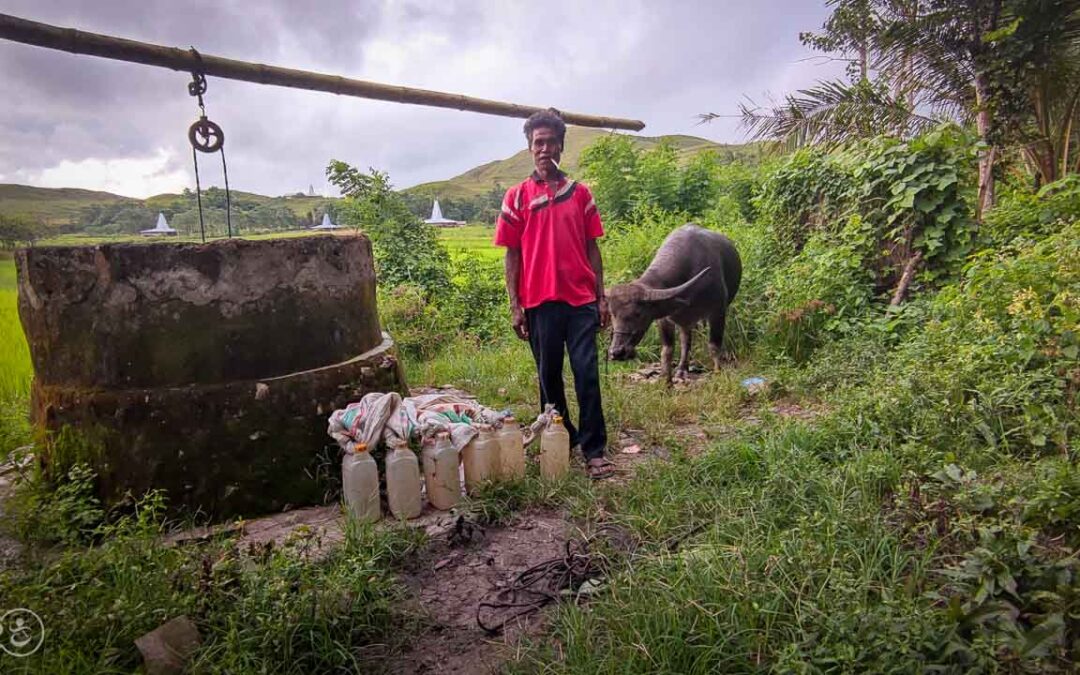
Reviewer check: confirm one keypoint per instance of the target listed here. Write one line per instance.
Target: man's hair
(551, 119)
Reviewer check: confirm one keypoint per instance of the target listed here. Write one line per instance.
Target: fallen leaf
(631, 450)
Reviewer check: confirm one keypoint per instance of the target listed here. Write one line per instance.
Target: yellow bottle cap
(359, 447)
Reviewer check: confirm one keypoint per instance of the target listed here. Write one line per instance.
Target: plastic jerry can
(360, 484)
(403, 481)
(479, 456)
(511, 450)
(441, 472)
(554, 449)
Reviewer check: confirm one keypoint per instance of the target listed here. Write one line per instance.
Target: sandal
(600, 468)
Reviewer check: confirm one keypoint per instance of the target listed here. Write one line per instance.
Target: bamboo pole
(109, 47)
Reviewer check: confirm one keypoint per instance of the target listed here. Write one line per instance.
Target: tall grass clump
(294, 608)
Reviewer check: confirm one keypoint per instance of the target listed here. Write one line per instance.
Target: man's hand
(517, 320)
(605, 313)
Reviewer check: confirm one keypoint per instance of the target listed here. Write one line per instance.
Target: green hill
(506, 172)
(68, 208)
(55, 206)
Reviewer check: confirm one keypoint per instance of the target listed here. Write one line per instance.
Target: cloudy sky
(82, 121)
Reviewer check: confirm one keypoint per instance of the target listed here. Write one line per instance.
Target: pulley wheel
(205, 136)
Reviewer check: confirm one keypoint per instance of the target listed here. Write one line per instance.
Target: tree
(406, 249)
(609, 167)
(1006, 66)
(16, 230)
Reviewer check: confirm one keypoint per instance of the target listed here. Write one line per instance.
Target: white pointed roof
(162, 226)
(437, 216)
(326, 224)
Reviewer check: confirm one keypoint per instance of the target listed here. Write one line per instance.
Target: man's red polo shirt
(552, 229)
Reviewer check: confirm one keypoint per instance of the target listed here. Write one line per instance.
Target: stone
(166, 649)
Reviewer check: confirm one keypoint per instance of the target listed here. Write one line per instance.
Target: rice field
(15, 370)
(473, 238)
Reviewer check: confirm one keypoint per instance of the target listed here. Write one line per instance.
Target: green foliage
(995, 364)
(699, 184)
(258, 608)
(845, 226)
(656, 180)
(609, 166)
(407, 251)
(823, 292)
(417, 325)
(626, 181)
(737, 182)
(1027, 214)
(1011, 63)
(66, 512)
(18, 230)
(477, 307)
(472, 307)
(629, 246)
(918, 194)
(808, 192)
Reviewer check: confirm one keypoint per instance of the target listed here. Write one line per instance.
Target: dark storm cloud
(664, 65)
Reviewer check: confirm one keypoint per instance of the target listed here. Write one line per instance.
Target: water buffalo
(694, 275)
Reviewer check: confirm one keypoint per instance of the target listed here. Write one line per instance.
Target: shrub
(1026, 214)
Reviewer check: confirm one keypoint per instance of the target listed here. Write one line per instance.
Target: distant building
(437, 219)
(162, 229)
(310, 190)
(326, 224)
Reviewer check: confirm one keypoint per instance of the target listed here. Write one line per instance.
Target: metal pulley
(206, 136)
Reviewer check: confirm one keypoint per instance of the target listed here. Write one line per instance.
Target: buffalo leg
(685, 333)
(716, 337)
(667, 346)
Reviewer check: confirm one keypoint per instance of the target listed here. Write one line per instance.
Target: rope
(197, 87)
(198, 193)
(540, 585)
(228, 199)
(546, 582)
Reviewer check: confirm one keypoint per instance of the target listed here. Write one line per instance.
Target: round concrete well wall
(206, 370)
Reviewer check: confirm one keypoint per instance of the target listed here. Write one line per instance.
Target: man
(555, 278)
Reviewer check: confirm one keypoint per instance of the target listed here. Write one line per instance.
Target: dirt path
(453, 573)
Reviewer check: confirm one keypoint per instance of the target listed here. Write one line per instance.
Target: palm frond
(832, 113)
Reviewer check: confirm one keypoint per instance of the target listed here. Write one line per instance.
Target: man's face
(545, 147)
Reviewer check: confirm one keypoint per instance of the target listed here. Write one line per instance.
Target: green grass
(257, 608)
(472, 238)
(15, 368)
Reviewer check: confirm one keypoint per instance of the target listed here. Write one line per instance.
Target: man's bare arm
(597, 262)
(512, 272)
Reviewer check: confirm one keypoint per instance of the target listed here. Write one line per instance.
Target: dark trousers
(553, 326)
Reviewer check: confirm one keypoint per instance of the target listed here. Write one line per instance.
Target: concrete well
(206, 370)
